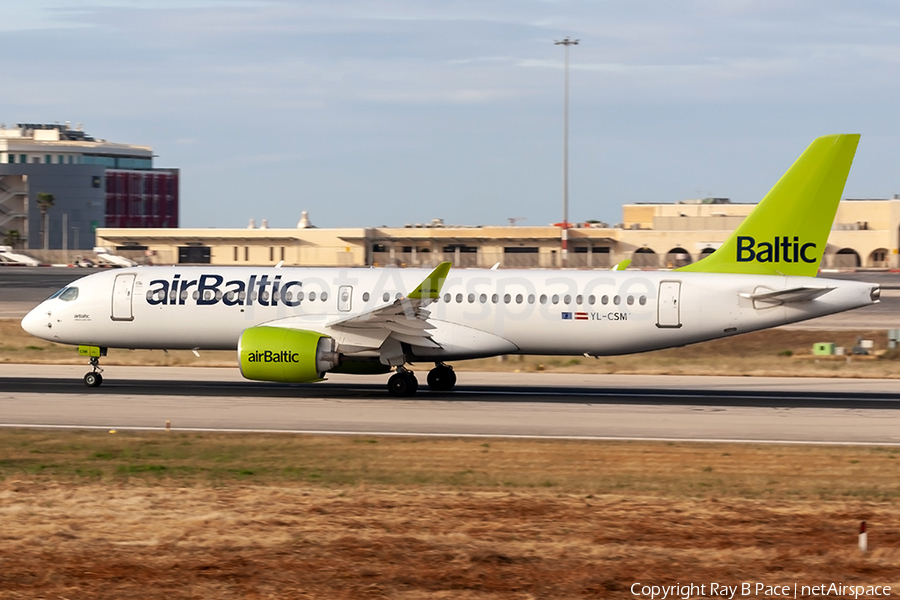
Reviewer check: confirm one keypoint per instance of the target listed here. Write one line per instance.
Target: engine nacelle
(286, 355)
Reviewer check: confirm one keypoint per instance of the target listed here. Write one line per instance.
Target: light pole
(565, 222)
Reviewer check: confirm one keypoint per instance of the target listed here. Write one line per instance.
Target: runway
(552, 405)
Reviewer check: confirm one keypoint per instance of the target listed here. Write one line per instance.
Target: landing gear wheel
(441, 378)
(93, 379)
(403, 384)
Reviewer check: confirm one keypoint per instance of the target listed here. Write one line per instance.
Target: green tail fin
(786, 233)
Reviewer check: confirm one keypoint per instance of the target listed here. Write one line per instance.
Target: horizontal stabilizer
(798, 294)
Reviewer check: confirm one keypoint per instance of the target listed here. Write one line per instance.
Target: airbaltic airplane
(294, 325)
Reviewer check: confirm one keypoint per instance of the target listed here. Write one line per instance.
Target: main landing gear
(403, 383)
(94, 378)
(441, 378)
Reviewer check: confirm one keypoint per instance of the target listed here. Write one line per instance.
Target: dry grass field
(178, 515)
(776, 352)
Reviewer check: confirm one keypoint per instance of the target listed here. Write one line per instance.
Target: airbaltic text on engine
(230, 293)
(782, 249)
(268, 356)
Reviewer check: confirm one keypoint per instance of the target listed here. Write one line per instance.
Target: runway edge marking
(587, 438)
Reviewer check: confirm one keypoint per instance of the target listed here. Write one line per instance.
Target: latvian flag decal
(578, 316)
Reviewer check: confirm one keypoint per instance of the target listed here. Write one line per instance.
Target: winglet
(621, 265)
(431, 285)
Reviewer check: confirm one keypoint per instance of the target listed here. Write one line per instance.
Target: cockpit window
(69, 294)
(57, 293)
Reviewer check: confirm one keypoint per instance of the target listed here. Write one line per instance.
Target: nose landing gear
(94, 378)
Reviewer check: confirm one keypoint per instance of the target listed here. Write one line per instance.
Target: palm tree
(45, 203)
(12, 238)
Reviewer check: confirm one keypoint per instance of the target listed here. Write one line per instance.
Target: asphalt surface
(23, 288)
(485, 404)
(33, 284)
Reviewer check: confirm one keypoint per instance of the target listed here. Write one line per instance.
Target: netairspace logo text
(691, 590)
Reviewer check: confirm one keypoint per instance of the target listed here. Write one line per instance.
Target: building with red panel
(94, 183)
(142, 198)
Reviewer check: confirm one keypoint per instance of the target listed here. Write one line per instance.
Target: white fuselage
(479, 313)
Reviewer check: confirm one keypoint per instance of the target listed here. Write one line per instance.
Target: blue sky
(392, 111)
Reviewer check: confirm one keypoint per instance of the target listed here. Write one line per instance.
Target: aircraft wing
(405, 318)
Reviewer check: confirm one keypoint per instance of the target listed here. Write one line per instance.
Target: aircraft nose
(37, 322)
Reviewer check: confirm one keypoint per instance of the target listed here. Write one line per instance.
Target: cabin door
(669, 307)
(123, 290)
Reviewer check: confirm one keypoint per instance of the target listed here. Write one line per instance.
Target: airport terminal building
(866, 234)
(95, 183)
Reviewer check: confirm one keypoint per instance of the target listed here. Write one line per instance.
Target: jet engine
(286, 355)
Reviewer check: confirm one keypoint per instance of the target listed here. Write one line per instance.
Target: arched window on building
(706, 252)
(644, 258)
(846, 258)
(677, 257)
(878, 258)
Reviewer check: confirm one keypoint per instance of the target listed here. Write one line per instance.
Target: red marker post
(863, 537)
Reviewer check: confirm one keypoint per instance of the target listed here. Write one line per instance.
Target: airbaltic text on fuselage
(212, 289)
(782, 249)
